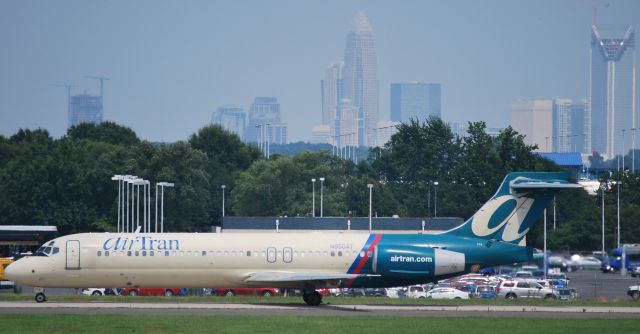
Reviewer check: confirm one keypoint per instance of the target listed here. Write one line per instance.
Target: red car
(168, 292)
(265, 292)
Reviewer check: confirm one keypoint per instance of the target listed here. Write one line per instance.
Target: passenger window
(248, 253)
(204, 253)
(333, 253)
(166, 253)
(128, 253)
(151, 253)
(144, 253)
(99, 253)
(106, 253)
(339, 253)
(137, 253)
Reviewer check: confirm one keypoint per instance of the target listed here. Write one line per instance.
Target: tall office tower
(613, 89)
(570, 126)
(277, 133)
(533, 119)
(85, 108)
(263, 111)
(415, 100)
(332, 91)
(232, 118)
(348, 124)
(360, 74)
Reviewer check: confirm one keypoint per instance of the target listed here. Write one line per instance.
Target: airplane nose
(10, 272)
(14, 272)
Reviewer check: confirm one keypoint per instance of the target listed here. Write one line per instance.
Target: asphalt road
(594, 284)
(91, 308)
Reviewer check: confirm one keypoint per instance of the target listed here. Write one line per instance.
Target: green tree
(108, 132)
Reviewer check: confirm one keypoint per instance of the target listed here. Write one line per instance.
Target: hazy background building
(533, 119)
(384, 131)
(415, 101)
(263, 110)
(570, 126)
(331, 91)
(360, 74)
(612, 88)
(232, 118)
(85, 108)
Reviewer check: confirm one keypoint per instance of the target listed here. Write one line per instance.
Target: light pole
(633, 150)
(223, 186)
(435, 199)
(321, 195)
(119, 179)
(545, 265)
(603, 220)
(623, 131)
(370, 186)
(313, 198)
(618, 204)
(162, 185)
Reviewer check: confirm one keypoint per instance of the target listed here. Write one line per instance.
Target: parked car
(523, 274)
(230, 292)
(416, 291)
(524, 289)
(567, 294)
(375, 292)
(167, 292)
(485, 291)
(586, 262)
(560, 262)
(447, 293)
(395, 292)
(634, 292)
(100, 292)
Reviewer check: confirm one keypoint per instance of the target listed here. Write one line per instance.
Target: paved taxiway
(323, 310)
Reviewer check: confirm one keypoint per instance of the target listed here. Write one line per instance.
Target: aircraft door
(286, 255)
(271, 254)
(73, 255)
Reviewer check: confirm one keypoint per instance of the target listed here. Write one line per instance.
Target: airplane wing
(315, 279)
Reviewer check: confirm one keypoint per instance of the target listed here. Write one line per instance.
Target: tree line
(423, 171)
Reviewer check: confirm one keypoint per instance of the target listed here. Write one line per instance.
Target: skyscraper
(264, 114)
(415, 101)
(570, 126)
(332, 91)
(360, 74)
(612, 88)
(85, 108)
(533, 119)
(232, 118)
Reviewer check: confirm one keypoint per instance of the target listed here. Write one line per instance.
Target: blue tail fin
(517, 204)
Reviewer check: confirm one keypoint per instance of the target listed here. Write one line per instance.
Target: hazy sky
(172, 63)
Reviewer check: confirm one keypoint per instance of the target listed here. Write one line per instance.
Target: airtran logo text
(140, 243)
(411, 259)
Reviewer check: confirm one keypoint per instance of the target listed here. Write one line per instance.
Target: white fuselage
(187, 259)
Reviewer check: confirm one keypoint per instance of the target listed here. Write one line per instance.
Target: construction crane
(68, 87)
(101, 79)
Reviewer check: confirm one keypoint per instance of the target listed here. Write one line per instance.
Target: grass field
(264, 324)
(326, 300)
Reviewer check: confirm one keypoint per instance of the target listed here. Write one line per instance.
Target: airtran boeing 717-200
(308, 261)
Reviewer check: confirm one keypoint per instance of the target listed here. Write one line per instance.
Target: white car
(416, 291)
(634, 292)
(99, 292)
(447, 293)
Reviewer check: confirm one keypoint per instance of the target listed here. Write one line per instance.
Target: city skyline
(170, 70)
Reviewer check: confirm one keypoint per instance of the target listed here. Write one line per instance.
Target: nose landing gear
(40, 296)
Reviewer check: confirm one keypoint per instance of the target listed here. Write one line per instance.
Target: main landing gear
(312, 297)
(40, 297)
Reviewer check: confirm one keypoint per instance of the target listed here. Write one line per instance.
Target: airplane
(494, 235)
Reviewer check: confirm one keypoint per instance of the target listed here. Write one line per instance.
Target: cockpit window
(46, 251)
(51, 243)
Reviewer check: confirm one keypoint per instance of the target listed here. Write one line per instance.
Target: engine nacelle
(417, 261)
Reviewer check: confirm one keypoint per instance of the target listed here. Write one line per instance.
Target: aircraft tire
(40, 297)
(312, 299)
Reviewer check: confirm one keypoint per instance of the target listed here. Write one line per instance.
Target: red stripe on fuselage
(364, 259)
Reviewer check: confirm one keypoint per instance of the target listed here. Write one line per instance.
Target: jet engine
(416, 261)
